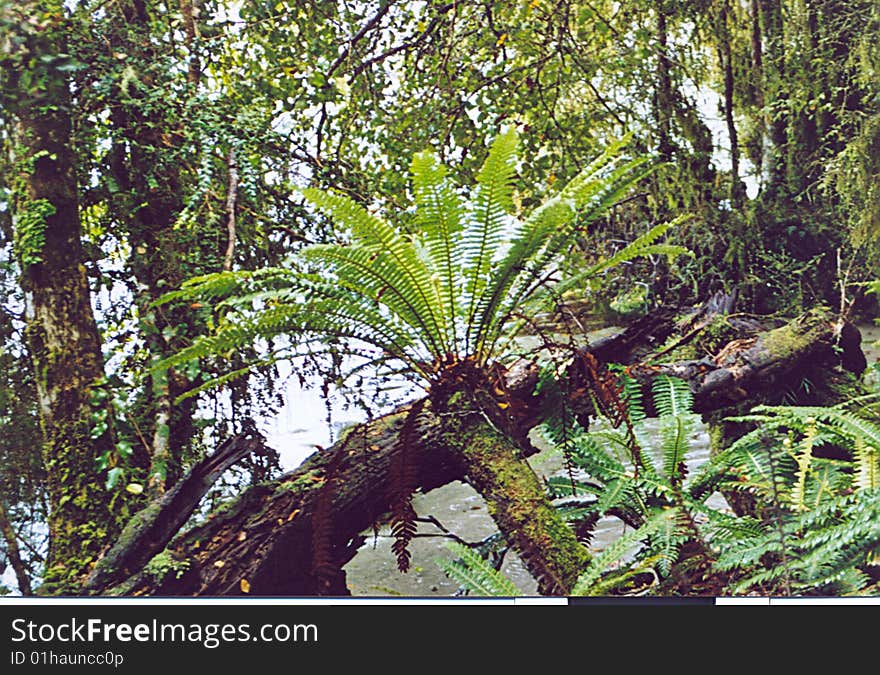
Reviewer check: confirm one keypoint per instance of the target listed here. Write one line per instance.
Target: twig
(231, 198)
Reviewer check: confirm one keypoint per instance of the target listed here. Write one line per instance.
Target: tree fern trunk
(516, 499)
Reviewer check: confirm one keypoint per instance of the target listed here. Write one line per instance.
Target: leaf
(113, 477)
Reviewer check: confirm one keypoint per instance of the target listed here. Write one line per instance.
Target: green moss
(302, 482)
(30, 230)
(163, 564)
(514, 495)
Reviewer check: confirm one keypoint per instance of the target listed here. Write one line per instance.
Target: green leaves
(475, 574)
(444, 292)
(820, 528)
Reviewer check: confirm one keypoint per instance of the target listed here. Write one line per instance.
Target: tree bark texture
(13, 553)
(63, 338)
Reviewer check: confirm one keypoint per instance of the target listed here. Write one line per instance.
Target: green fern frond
(560, 486)
(803, 457)
(548, 230)
(867, 461)
(209, 287)
(439, 215)
(485, 227)
(375, 278)
(475, 574)
(226, 378)
(395, 254)
(672, 396)
(618, 550)
(641, 247)
(666, 542)
(632, 396)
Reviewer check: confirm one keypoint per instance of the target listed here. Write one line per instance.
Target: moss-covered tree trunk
(62, 334)
(493, 460)
(517, 501)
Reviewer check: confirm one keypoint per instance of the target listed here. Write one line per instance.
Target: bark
(663, 106)
(13, 553)
(751, 368)
(473, 429)
(153, 527)
(292, 536)
(736, 191)
(231, 197)
(190, 12)
(758, 83)
(62, 335)
(774, 72)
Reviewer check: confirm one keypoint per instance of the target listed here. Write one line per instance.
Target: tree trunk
(757, 86)
(724, 38)
(774, 89)
(516, 499)
(13, 553)
(62, 334)
(663, 101)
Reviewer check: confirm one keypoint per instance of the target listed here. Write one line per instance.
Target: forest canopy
(204, 203)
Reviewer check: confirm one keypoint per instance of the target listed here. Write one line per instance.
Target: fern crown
(450, 290)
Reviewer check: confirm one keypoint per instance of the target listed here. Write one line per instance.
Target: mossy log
(760, 367)
(153, 527)
(292, 536)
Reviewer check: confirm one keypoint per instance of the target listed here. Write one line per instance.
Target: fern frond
(475, 574)
(485, 226)
(440, 217)
(396, 255)
(378, 280)
(613, 554)
(867, 461)
(803, 458)
(226, 378)
(209, 287)
(632, 395)
(666, 542)
(539, 300)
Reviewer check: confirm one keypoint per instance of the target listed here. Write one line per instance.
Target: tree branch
(231, 198)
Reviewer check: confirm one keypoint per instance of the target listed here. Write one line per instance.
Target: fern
(475, 574)
(443, 294)
(674, 402)
(587, 583)
(867, 461)
(823, 520)
(631, 394)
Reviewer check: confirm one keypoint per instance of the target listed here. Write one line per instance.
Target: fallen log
(750, 368)
(292, 536)
(150, 530)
